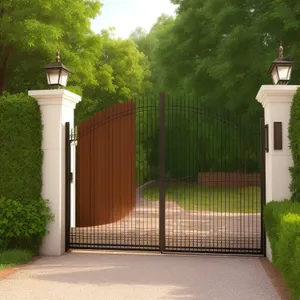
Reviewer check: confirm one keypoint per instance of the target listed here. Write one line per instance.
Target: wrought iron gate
(167, 174)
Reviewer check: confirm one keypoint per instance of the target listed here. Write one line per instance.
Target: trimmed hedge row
(20, 147)
(294, 136)
(282, 222)
(23, 214)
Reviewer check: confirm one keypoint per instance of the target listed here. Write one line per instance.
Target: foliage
(10, 258)
(20, 147)
(149, 45)
(23, 223)
(273, 215)
(221, 50)
(282, 222)
(294, 271)
(122, 73)
(289, 233)
(30, 32)
(23, 215)
(294, 129)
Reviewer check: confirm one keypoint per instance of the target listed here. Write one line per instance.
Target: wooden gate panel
(106, 184)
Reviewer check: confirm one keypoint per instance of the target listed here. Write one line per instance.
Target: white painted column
(277, 101)
(57, 108)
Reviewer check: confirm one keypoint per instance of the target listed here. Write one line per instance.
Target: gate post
(162, 173)
(57, 108)
(276, 101)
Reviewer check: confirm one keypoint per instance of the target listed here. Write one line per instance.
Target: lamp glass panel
(275, 76)
(283, 72)
(290, 72)
(63, 78)
(53, 76)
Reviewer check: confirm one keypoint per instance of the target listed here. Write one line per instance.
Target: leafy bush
(294, 281)
(294, 136)
(289, 233)
(282, 222)
(23, 223)
(273, 215)
(20, 147)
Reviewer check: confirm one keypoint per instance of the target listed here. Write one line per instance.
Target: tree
(149, 43)
(222, 50)
(121, 71)
(30, 32)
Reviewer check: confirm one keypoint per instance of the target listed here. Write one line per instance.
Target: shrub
(23, 223)
(294, 136)
(294, 281)
(288, 234)
(273, 216)
(282, 222)
(20, 147)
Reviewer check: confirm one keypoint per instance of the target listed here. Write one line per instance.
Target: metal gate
(166, 174)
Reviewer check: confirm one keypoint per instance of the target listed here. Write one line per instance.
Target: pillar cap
(55, 97)
(276, 93)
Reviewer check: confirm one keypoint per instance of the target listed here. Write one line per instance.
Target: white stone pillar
(57, 108)
(277, 101)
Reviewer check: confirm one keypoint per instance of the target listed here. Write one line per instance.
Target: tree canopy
(218, 50)
(30, 32)
(221, 50)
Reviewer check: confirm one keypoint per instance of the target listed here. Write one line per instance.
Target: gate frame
(263, 182)
(162, 173)
(68, 185)
(162, 183)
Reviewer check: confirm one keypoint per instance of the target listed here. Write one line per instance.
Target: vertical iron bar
(67, 183)
(262, 183)
(77, 191)
(162, 171)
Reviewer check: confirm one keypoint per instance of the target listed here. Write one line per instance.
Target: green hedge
(20, 147)
(282, 222)
(294, 136)
(23, 214)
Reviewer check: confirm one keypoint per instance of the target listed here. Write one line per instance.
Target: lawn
(11, 258)
(193, 197)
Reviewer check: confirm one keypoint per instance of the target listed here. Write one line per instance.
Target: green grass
(11, 258)
(193, 197)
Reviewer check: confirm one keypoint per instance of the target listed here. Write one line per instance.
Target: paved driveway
(111, 276)
(184, 229)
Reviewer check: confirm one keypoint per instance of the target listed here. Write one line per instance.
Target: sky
(126, 15)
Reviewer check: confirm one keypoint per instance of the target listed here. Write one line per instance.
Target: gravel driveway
(142, 276)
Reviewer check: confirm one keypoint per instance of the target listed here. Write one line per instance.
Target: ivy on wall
(20, 147)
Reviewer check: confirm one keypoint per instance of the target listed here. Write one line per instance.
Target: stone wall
(227, 179)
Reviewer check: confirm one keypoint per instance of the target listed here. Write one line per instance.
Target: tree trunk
(3, 69)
